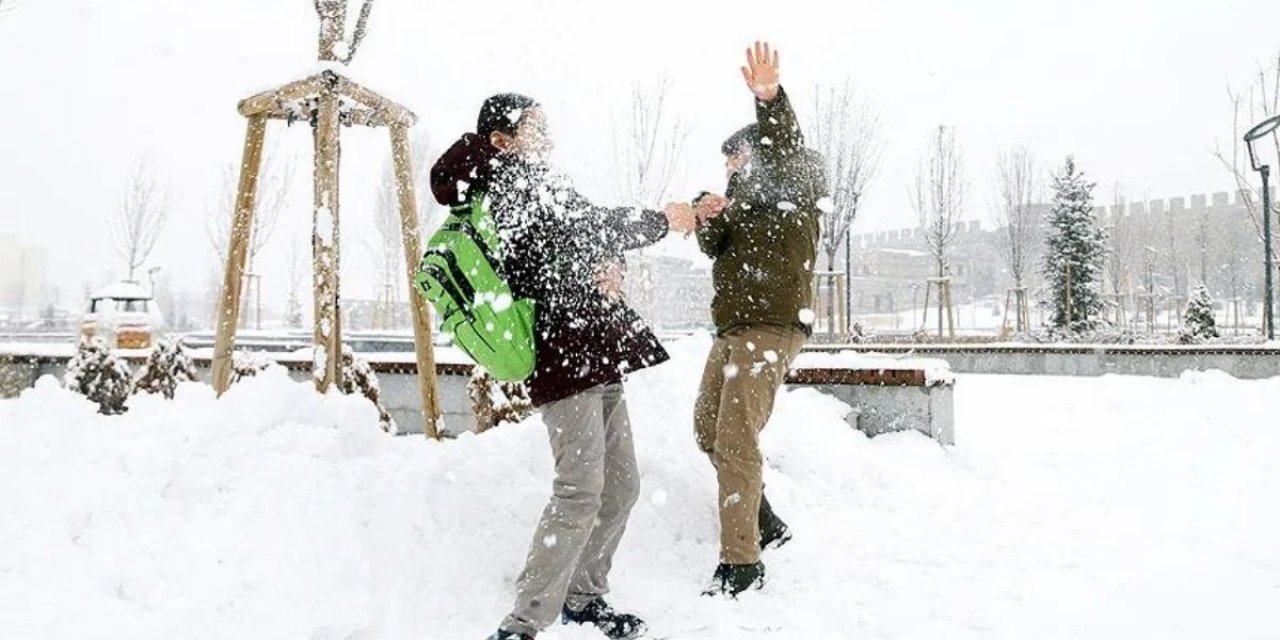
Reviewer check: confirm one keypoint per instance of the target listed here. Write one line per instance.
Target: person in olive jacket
(763, 237)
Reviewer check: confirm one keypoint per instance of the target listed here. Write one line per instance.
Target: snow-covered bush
(247, 364)
(494, 402)
(1198, 323)
(100, 376)
(166, 367)
(358, 377)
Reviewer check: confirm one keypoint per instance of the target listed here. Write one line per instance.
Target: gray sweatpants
(596, 485)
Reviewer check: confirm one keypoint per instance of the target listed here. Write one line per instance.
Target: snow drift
(1073, 508)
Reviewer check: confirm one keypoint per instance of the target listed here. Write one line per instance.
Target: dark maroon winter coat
(554, 241)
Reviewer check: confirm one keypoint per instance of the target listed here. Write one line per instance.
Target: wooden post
(237, 253)
(951, 320)
(412, 254)
(324, 242)
(924, 319)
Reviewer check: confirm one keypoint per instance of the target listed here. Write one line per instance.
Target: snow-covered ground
(1072, 508)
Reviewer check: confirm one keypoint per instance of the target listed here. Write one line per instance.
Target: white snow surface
(1073, 508)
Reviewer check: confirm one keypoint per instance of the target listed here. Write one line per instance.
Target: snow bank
(277, 513)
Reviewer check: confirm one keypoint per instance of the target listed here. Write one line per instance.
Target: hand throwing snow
(681, 217)
(761, 72)
(709, 205)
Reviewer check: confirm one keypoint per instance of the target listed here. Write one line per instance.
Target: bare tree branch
(1018, 190)
(333, 43)
(938, 194)
(846, 131)
(275, 178)
(139, 219)
(357, 36)
(649, 149)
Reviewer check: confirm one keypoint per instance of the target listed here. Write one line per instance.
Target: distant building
(23, 274)
(670, 293)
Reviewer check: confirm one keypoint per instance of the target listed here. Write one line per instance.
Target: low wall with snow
(887, 393)
(1243, 362)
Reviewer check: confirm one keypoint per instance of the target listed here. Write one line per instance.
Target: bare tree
(140, 216)
(296, 264)
(846, 132)
(1121, 254)
(386, 247)
(937, 196)
(275, 178)
(1258, 101)
(649, 148)
(1016, 213)
(648, 151)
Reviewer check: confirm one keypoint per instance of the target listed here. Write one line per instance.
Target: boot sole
(777, 542)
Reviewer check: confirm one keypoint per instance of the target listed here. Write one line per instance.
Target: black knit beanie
(744, 138)
(503, 113)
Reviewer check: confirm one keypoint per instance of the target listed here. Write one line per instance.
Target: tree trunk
(831, 290)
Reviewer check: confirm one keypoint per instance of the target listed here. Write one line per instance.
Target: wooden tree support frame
(943, 287)
(328, 101)
(1015, 299)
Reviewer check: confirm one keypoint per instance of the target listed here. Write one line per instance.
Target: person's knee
(581, 495)
(744, 453)
(624, 493)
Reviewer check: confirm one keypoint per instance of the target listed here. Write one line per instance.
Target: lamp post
(1264, 128)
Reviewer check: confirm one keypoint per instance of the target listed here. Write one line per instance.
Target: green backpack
(459, 274)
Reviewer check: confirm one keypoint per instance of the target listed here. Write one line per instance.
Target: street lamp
(1266, 127)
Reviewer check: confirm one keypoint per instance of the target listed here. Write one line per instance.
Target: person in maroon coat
(565, 254)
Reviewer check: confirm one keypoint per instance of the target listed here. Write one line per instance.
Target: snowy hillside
(1072, 508)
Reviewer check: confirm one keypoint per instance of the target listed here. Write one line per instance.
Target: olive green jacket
(764, 244)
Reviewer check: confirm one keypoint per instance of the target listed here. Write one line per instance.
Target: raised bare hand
(762, 71)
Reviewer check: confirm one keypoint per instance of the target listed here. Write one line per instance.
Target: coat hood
(463, 170)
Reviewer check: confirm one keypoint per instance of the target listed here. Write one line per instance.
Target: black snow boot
(732, 579)
(510, 635)
(615, 625)
(773, 531)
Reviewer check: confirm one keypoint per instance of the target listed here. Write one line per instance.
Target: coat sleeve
(618, 229)
(713, 236)
(780, 136)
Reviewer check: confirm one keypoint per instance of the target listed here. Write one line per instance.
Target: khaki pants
(744, 371)
(596, 485)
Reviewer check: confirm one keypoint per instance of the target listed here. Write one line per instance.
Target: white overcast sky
(1136, 89)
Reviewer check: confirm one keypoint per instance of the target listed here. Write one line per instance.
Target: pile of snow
(1146, 511)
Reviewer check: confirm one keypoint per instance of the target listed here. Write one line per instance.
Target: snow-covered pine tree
(166, 367)
(1198, 323)
(1075, 254)
(356, 376)
(97, 374)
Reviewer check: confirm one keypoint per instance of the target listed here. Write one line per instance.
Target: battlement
(1179, 204)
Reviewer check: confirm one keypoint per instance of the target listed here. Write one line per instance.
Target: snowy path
(1072, 508)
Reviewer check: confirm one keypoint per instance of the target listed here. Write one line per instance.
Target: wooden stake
(324, 243)
(412, 254)
(237, 253)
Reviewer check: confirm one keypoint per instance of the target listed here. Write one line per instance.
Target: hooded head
(739, 148)
(508, 123)
(514, 123)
